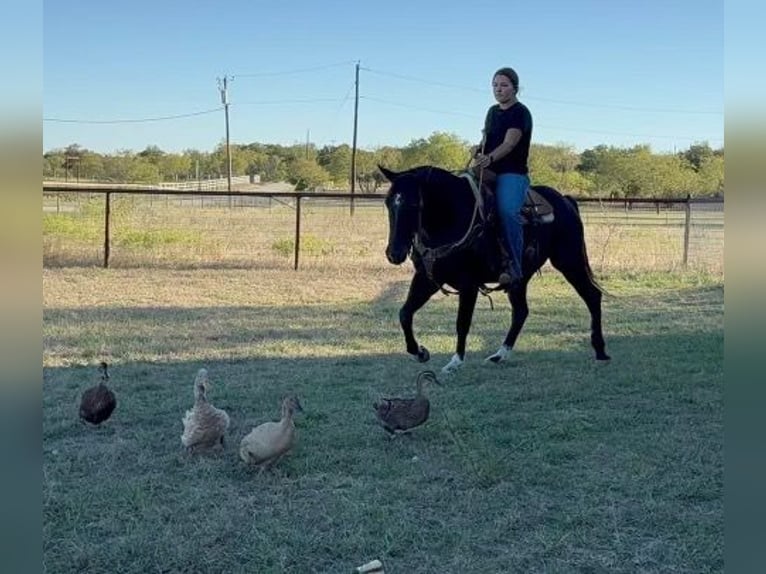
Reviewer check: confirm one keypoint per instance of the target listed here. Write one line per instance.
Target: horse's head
(403, 203)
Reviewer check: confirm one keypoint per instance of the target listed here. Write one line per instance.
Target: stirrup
(508, 279)
(505, 278)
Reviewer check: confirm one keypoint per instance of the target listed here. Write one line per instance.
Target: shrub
(310, 245)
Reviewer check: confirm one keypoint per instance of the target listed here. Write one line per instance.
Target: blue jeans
(510, 193)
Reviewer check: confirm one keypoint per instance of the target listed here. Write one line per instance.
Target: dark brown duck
(98, 403)
(403, 414)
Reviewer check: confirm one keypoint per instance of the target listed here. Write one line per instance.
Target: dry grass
(169, 232)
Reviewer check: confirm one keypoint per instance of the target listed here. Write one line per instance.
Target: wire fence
(150, 227)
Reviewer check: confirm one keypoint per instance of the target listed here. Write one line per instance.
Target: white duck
(204, 424)
(267, 443)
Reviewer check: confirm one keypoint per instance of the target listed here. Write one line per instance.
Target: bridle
(430, 255)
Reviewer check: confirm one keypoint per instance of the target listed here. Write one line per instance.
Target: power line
(131, 121)
(348, 93)
(627, 108)
(421, 108)
(295, 71)
(277, 102)
(422, 81)
(607, 132)
(550, 100)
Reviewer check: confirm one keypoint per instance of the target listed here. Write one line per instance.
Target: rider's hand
(481, 161)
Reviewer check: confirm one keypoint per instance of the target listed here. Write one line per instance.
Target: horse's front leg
(519, 310)
(465, 309)
(421, 290)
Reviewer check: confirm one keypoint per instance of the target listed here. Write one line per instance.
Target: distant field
(548, 463)
(168, 231)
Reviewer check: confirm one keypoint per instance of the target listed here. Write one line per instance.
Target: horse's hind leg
(581, 280)
(421, 290)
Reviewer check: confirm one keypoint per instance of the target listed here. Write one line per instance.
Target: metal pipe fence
(144, 227)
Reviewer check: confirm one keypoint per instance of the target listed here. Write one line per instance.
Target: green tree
(92, 166)
(557, 166)
(440, 149)
(337, 161)
(697, 154)
(175, 167)
(390, 157)
(143, 171)
(710, 176)
(152, 154)
(306, 174)
(368, 175)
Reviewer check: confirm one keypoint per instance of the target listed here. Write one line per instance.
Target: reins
(430, 255)
(444, 250)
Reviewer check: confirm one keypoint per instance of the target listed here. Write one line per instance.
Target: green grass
(154, 239)
(547, 463)
(309, 245)
(72, 227)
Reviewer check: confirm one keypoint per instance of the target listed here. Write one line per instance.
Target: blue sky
(592, 72)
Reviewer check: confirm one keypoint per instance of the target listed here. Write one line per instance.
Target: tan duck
(97, 403)
(267, 443)
(204, 424)
(398, 415)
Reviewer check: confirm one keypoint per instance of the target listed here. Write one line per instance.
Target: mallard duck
(265, 444)
(98, 403)
(204, 424)
(401, 415)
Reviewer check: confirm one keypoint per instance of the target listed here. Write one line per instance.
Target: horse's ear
(390, 175)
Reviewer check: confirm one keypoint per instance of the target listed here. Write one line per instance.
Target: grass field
(548, 463)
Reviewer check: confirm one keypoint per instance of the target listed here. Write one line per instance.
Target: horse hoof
(500, 355)
(452, 367)
(423, 355)
(603, 357)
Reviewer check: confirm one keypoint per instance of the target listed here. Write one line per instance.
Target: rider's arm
(512, 137)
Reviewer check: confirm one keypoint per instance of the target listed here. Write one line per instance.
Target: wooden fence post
(297, 230)
(687, 225)
(107, 210)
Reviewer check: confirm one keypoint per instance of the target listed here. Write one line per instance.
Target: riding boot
(507, 277)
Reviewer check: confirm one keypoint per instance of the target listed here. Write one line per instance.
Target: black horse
(434, 215)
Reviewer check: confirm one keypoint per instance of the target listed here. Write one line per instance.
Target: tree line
(602, 171)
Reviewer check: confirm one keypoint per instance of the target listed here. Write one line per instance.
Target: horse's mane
(447, 183)
(432, 175)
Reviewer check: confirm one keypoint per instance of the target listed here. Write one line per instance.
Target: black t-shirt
(497, 123)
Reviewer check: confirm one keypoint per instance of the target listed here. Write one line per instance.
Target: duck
(98, 403)
(204, 425)
(267, 443)
(400, 415)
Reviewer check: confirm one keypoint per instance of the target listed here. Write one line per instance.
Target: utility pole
(353, 147)
(308, 134)
(223, 86)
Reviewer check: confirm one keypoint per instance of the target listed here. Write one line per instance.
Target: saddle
(536, 209)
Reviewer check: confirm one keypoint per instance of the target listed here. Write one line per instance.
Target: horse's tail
(589, 272)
